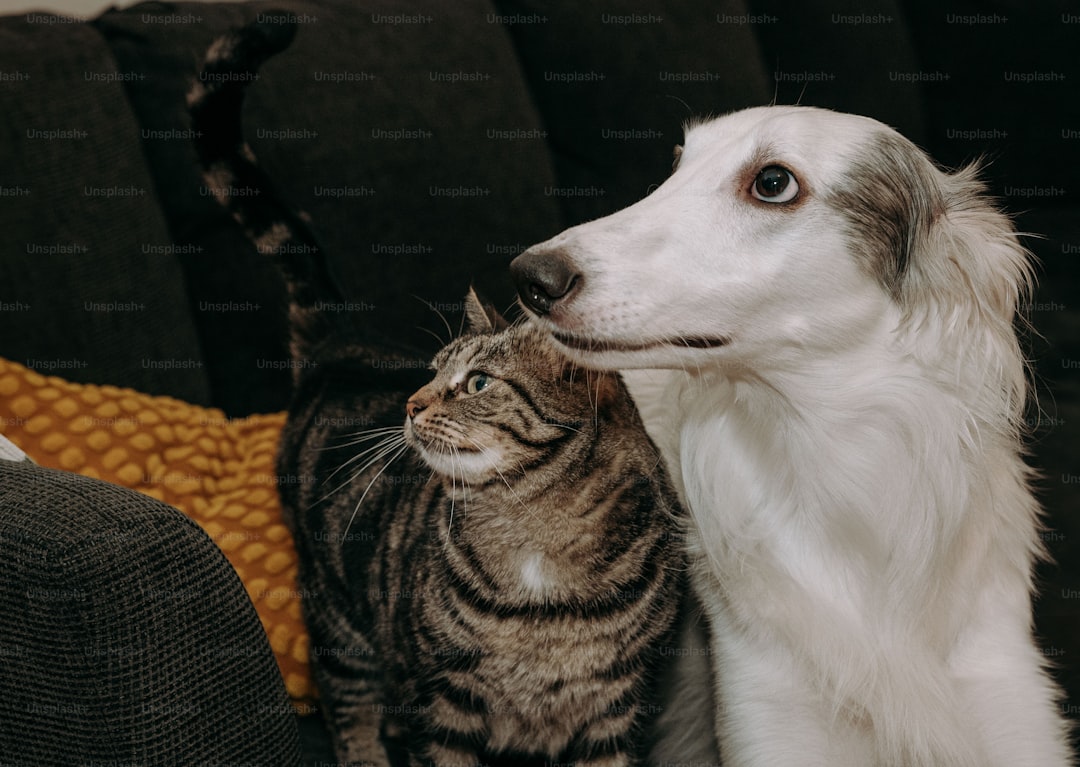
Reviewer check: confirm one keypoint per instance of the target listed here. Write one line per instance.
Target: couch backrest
(428, 146)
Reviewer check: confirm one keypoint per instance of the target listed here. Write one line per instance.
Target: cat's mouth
(585, 344)
(458, 463)
(438, 444)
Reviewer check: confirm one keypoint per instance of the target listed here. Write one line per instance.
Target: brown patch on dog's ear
(891, 198)
(482, 316)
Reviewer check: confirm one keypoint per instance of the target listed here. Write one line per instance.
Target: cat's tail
(234, 178)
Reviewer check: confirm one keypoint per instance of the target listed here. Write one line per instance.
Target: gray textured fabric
(614, 84)
(125, 636)
(844, 55)
(85, 289)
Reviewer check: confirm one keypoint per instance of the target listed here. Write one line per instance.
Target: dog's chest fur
(802, 497)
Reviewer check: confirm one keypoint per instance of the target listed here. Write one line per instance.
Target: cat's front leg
(357, 733)
(609, 760)
(607, 742)
(442, 755)
(347, 675)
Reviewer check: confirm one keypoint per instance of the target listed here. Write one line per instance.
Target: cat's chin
(462, 466)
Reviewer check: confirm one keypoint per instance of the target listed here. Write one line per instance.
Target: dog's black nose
(543, 278)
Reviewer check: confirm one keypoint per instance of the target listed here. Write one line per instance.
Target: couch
(429, 144)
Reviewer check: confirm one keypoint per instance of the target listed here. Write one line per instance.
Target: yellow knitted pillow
(218, 471)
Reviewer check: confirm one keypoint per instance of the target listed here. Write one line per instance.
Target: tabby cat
(493, 565)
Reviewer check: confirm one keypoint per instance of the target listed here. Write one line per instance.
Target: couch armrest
(126, 637)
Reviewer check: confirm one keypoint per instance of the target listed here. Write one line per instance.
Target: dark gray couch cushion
(79, 291)
(127, 637)
(614, 84)
(844, 55)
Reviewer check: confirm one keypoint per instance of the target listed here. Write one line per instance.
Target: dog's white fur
(851, 455)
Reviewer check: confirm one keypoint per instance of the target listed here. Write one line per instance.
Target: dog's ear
(481, 316)
(951, 261)
(929, 236)
(890, 196)
(966, 289)
(973, 250)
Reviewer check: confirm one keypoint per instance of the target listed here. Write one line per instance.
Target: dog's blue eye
(477, 383)
(775, 184)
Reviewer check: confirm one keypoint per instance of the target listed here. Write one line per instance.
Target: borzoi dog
(818, 326)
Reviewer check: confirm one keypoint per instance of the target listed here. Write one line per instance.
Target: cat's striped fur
(492, 564)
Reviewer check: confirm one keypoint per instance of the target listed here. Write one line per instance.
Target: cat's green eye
(477, 383)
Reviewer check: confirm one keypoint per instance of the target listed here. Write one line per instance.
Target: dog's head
(782, 232)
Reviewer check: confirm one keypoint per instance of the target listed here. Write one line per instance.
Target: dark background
(456, 135)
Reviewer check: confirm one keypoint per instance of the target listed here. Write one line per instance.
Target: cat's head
(504, 400)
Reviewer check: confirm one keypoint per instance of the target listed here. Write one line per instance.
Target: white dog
(821, 324)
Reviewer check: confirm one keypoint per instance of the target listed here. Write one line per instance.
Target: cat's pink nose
(412, 407)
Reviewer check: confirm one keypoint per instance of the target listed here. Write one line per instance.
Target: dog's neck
(850, 448)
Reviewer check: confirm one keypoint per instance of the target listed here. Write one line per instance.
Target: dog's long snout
(543, 278)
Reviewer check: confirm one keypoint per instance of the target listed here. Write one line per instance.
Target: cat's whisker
(455, 461)
(369, 455)
(376, 430)
(453, 494)
(506, 482)
(565, 426)
(362, 436)
(374, 479)
(386, 440)
(431, 333)
(519, 320)
(381, 447)
(573, 372)
(466, 490)
(509, 309)
(380, 451)
(441, 316)
(465, 487)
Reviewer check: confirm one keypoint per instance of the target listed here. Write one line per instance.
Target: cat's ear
(481, 316)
